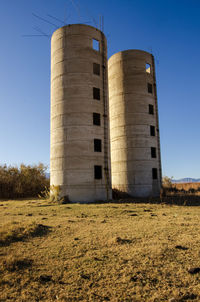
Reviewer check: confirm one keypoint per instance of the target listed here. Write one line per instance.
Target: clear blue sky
(169, 29)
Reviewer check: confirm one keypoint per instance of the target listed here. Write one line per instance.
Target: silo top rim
(129, 51)
(77, 25)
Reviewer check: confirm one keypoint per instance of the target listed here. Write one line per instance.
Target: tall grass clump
(53, 194)
(25, 181)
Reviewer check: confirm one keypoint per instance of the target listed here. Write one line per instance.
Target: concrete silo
(80, 152)
(134, 130)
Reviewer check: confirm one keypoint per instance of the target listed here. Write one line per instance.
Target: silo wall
(80, 149)
(134, 128)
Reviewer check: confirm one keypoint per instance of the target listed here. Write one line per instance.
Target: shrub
(53, 194)
(22, 182)
(167, 181)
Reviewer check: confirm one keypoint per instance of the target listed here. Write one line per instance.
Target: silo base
(147, 191)
(85, 195)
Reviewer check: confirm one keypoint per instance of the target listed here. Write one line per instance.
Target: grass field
(99, 252)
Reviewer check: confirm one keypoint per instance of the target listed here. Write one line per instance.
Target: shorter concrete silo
(134, 130)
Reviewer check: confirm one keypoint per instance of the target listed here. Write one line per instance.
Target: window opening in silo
(154, 173)
(151, 109)
(153, 152)
(96, 93)
(150, 88)
(98, 172)
(152, 130)
(96, 68)
(97, 119)
(97, 145)
(95, 44)
(148, 68)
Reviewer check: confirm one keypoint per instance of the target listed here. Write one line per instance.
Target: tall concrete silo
(80, 153)
(134, 129)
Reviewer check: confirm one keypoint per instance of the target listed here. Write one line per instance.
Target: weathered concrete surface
(130, 122)
(72, 106)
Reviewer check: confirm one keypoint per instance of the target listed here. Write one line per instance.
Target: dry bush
(23, 182)
(190, 187)
(167, 182)
(53, 195)
(179, 189)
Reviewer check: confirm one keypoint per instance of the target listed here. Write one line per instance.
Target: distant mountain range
(186, 180)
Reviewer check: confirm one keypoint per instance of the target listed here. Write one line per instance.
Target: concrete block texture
(73, 104)
(135, 147)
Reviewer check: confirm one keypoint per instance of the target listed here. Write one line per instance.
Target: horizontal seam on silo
(136, 135)
(130, 125)
(131, 185)
(92, 156)
(70, 59)
(86, 185)
(69, 127)
(139, 96)
(127, 148)
(133, 93)
(68, 73)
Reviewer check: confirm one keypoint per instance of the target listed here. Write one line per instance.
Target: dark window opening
(98, 172)
(152, 130)
(148, 68)
(96, 68)
(151, 109)
(150, 88)
(97, 145)
(154, 173)
(96, 93)
(153, 152)
(97, 119)
(95, 44)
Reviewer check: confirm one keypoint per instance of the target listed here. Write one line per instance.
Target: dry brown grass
(14, 232)
(105, 252)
